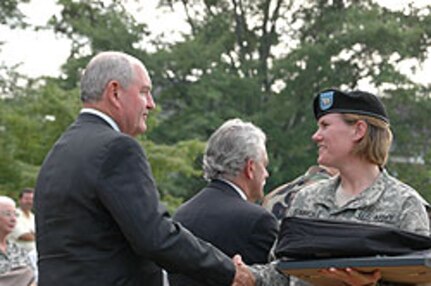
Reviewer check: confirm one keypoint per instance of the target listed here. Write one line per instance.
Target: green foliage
(172, 165)
(95, 26)
(35, 121)
(171, 202)
(196, 109)
(10, 14)
(260, 60)
(10, 173)
(31, 123)
(409, 111)
(329, 44)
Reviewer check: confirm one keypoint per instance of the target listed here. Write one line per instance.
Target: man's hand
(352, 277)
(243, 276)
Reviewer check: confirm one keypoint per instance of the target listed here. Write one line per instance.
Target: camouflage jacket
(277, 201)
(387, 202)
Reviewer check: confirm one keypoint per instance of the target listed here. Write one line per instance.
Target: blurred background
(211, 60)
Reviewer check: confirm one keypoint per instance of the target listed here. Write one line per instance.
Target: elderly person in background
(15, 265)
(354, 137)
(224, 213)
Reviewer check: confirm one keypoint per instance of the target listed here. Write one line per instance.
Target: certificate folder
(412, 268)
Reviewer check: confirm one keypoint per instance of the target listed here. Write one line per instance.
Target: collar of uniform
(367, 197)
(236, 188)
(102, 115)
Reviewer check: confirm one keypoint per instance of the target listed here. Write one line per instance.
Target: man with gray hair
(224, 212)
(98, 216)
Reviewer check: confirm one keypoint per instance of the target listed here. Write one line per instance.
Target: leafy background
(260, 60)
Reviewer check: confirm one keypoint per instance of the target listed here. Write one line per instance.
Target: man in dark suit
(224, 212)
(98, 216)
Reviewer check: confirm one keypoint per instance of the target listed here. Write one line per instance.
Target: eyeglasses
(9, 213)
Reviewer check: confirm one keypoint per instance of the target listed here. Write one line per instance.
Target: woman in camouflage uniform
(353, 136)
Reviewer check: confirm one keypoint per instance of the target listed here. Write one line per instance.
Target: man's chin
(143, 127)
(320, 161)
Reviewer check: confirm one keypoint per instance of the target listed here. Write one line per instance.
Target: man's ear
(112, 93)
(249, 169)
(361, 128)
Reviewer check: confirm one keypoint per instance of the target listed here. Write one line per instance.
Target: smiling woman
(353, 136)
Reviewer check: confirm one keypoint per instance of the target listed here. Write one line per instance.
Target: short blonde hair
(376, 143)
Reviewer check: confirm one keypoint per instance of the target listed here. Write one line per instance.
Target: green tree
(31, 122)
(94, 26)
(264, 60)
(411, 153)
(11, 17)
(11, 171)
(261, 60)
(10, 14)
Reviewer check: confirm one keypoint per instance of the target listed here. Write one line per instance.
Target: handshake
(243, 275)
(252, 276)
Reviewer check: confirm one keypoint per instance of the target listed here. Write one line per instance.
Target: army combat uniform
(277, 201)
(388, 202)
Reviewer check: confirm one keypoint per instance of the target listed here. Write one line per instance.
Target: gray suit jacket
(99, 220)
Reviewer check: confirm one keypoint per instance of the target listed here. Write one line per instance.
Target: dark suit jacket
(99, 221)
(219, 215)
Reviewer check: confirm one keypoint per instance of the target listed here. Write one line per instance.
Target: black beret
(357, 102)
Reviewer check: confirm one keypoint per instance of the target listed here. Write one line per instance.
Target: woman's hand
(352, 277)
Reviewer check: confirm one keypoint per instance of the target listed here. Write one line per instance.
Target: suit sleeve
(262, 238)
(127, 189)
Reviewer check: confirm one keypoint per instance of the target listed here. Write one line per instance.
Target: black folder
(412, 268)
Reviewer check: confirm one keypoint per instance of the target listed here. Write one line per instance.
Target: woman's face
(7, 218)
(335, 140)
